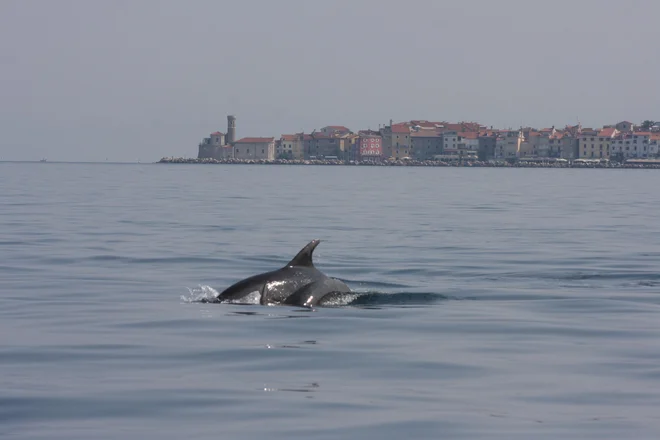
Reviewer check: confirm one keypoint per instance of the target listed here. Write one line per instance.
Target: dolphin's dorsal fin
(304, 257)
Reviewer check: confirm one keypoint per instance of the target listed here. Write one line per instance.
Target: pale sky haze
(86, 80)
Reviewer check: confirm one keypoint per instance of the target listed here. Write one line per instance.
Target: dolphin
(298, 283)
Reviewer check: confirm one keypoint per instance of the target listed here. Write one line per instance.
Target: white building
(508, 144)
(450, 140)
(468, 141)
(636, 145)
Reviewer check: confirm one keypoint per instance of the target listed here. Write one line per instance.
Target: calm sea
(491, 303)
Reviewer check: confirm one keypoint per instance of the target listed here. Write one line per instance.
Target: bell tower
(231, 129)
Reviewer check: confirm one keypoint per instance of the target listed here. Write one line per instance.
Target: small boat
(43, 160)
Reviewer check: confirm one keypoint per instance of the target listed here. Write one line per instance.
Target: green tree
(646, 125)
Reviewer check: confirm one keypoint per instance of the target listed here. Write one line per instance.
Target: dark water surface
(492, 303)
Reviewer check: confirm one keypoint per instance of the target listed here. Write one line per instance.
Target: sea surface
(490, 303)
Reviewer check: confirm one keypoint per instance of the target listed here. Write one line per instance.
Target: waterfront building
(654, 145)
(209, 146)
(508, 143)
(568, 146)
(530, 144)
(368, 145)
(218, 145)
(278, 148)
(569, 143)
(205, 149)
(450, 140)
(620, 148)
(487, 143)
(554, 144)
(636, 145)
(596, 145)
(291, 146)
(641, 141)
(351, 146)
(586, 141)
(425, 143)
(224, 152)
(468, 140)
(320, 145)
(396, 140)
(308, 142)
(257, 148)
(401, 142)
(543, 144)
(386, 134)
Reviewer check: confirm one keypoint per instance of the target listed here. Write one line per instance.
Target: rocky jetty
(416, 163)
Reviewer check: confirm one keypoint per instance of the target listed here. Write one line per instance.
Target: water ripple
(505, 305)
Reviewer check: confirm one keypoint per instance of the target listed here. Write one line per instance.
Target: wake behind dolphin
(298, 283)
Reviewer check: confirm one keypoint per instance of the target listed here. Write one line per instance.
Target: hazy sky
(142, 79)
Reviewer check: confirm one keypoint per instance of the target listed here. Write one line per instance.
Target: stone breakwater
(412, 163)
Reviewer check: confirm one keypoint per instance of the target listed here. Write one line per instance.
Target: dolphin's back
(310, 294)
(287, 281)
(244, 287)
(297, 283)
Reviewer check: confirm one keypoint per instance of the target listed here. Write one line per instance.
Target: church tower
(231, 129)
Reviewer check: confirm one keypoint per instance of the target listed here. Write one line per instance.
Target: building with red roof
(400, 128)
(335, 130)
(596, 144)
(396, 140)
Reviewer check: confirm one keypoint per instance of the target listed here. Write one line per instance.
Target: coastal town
(421, 142)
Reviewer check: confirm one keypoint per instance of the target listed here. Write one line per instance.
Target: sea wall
(414, 163)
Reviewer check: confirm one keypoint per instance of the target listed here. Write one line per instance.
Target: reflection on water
(309, 388)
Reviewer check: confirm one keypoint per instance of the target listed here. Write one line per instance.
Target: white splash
(209, 294)
(342, 300)
(200, 293)
(250, 298)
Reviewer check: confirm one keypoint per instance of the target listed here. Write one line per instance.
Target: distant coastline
(520, 163)
(440, 143)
